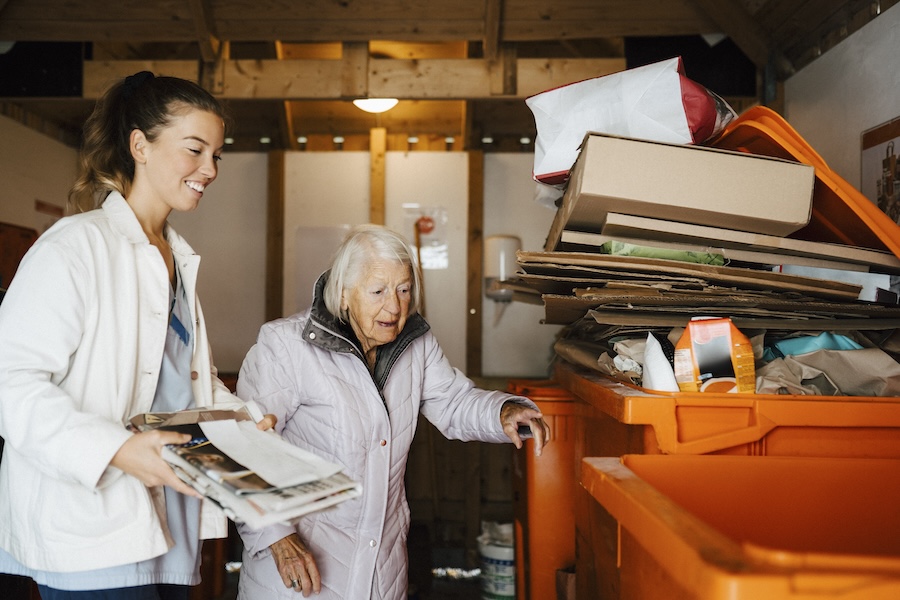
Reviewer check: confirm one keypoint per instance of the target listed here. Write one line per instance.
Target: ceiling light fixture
(375, 105)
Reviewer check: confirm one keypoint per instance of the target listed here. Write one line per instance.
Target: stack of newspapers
(256, 477)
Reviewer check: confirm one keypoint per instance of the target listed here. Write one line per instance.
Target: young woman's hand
(141, 456)
(296, 565)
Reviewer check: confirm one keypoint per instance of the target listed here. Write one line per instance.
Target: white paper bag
(655, 102)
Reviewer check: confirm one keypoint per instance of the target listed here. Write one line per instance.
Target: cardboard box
(691, 184)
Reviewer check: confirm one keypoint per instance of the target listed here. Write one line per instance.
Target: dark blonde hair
(362, 245)
(140, 101)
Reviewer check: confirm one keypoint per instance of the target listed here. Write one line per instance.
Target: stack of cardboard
(798, 243)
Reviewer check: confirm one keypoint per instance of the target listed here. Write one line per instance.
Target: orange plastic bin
(738, 527)
(615, 419)
(544, 488)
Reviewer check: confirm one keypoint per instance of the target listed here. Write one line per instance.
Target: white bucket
(498, 571)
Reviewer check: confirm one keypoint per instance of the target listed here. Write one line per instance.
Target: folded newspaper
(255, 476)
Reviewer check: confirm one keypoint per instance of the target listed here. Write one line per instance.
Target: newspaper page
(255, 476)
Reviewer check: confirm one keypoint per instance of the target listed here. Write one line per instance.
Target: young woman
(102, 322)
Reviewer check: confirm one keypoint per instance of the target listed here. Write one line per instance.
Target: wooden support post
(475, 268)
(275, 237)
(377, 149)
(473, 342)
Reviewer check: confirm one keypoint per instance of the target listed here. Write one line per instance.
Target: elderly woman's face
(379, 304)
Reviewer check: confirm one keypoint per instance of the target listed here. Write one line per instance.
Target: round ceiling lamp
(375, 105)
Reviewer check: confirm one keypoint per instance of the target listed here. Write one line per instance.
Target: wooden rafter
(493, 15)
(426, 79)
(204, 25)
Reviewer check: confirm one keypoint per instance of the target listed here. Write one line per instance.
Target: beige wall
(228, 231)
(32, 167)
(516, 345)
(851, 88)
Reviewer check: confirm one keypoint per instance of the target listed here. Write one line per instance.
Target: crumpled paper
(865, 372)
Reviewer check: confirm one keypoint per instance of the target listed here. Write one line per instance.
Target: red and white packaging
(654, 102)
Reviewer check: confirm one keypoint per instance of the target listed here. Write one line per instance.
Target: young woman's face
(183, 160)
(379, 303)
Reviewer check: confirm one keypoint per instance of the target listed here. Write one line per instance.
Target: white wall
(32, 167)
(851, 88)
(436, 180)
(324, 192)
(517, 345)
(228, 231)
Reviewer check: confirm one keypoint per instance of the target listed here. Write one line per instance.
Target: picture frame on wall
(880, 167)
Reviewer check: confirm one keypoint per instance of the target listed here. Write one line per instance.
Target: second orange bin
(544, 489)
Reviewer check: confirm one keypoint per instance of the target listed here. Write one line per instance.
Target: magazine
(255, 476)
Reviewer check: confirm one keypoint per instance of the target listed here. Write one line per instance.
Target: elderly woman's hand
(267, 422)
(296, 565)
(513, 414)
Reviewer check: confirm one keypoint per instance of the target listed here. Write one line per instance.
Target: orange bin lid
(841, 214)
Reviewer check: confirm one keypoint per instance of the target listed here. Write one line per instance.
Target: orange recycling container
(615, 419)
(544, 488)
(745, 527)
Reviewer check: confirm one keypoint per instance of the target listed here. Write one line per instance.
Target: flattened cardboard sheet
(565, 310)
(546, 262)
(688, 233)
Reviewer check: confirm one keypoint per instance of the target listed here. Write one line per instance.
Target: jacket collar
(327, 331)
(123, 220)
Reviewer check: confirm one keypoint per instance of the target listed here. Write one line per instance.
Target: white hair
(362, 245)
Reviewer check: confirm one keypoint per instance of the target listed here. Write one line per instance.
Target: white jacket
(82, 333)
(305, 370)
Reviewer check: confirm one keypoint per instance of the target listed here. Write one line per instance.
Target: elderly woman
(347, 380)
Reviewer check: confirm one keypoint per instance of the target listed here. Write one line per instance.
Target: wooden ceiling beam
(314, 79)
(329, 21)
(354, 70)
